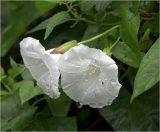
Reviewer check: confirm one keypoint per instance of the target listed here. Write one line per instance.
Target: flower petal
(89, 76)
(42, 66)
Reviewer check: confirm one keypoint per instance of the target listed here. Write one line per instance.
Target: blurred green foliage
(23, 104)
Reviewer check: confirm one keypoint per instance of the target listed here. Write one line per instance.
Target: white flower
(89, 76)
(42, 65)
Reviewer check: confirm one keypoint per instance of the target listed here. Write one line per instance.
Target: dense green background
(23, 104)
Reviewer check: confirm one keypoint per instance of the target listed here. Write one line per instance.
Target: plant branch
(98, 36)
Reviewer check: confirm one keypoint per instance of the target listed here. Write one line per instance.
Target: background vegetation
(23, 104)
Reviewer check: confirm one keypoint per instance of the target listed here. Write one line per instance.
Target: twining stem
(39, 100)
(115, 43)
(84, 20)
(98, 36)
(66, 46)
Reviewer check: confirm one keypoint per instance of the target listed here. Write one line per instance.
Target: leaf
(91, 31)
(16, 70)
(12, 62)
(54, 124)
(86, 6)
(66, 35)
(110, 38)
(145, 42)
(26, 75)
(2, 73)
(135, 6)
(60, 106)
(129, 28)
(148, 73)
(17, 85)
(141, 115)
(55, 20)
(40, 26)
(28, 91)
(8, 82)
(102, 5)
(10, 106)
(26, 13)
(152, 24)
(44, 6)
(83, 118)
(125, 54)
(109, 41)
(22, 120)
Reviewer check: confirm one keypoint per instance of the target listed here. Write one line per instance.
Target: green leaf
(91, 31)
(40, 26)
(26, 75)
(17, 85)
(110, 38)
(141, 115)
(26, 13)
(28, 91)
(152, 24)
(60, 106)
(22, 120)
(2, 73)
(129, 27)
(69, 34)
(145, 42)
(12, 62)
(10, 106)
(55, 20)
(8, 82)
(16, 70)
(86, 6)
(102, 5)
(54, 124)
(44, 6)
(148, 73)
(125, 54)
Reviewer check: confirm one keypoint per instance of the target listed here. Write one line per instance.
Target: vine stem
(84, 20)
(39, 100)
(66, 46)
(115, 43)
(98, 36)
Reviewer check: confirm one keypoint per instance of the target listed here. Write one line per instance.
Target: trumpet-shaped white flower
(89, 76)
(42, 65)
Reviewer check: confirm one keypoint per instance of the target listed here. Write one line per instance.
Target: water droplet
(113, 81)
(79, 105)
(92, 104)
(93, 71)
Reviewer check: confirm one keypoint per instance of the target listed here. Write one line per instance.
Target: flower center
(93, 69)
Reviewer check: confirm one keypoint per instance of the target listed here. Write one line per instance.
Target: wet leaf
(148, 73)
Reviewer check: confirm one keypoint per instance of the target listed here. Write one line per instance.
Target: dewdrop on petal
(42, 65)
(89, 77)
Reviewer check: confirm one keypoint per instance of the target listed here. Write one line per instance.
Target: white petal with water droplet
(42, 65)
(89, 76)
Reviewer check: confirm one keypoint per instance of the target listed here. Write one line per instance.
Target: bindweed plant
(80, 66)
